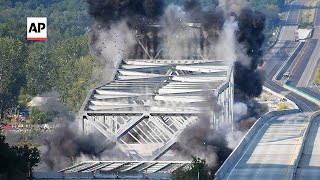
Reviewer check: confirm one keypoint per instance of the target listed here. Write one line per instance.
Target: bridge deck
(150, 101)
(273, 150)
(146, 85)
(309, 166)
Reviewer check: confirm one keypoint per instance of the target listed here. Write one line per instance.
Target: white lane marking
(250, 145)
(315, 61)
(268, 154)
(301, 102)
(282, 30)
(316, 17)
(273, 87)
(314, 25)
(291, 96)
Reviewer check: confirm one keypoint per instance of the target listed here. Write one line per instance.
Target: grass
(282, 106)
(307, 15)
(316, 78)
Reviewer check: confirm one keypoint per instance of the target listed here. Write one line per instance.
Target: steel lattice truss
(126, 166)
(149, 103)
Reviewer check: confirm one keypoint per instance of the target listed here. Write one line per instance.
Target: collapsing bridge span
(150, 102)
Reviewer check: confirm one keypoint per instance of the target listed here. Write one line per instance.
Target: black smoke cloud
(248, 79)
(65, 144)
(209, 17)
(134, 12)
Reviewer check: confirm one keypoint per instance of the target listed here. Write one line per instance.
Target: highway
(307, 76)
(314, 91)
(304, 58)
(282, 51)
(271, 153)
(285, 45)
(304, 66)
(309, 164)
(289, 25)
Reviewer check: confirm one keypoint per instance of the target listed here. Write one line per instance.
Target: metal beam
(153, 88)
(101, 130)
(136, 113)
(159, 152)
(130, 125)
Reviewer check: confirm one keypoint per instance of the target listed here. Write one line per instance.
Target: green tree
(28, 157)
(38, 69)
(12, 53)
(79, 88)
(39, 66)
(197, 170)
(13, 28)
(72, 71)
(317, 76)
(37, 116)
(282, 106)
(4, 152)
(19, 161)
(24, 99)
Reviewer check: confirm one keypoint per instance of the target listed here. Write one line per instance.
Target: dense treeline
(17, 162)
(30, 68)
(63, 62)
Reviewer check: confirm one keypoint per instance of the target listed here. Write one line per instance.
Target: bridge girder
(150, 102)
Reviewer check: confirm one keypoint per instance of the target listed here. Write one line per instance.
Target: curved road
(281, 52)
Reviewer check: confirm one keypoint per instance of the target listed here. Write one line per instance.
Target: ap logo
(37, 28)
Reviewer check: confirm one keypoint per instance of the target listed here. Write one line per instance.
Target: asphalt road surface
(281, 52)
(271, 153)
(313, 91)
(299, 66)
(309, 165)
(307, 76)
(291, 22)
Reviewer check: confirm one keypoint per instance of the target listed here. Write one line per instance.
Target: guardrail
(305, 135)
(238, 151)
(302, 93)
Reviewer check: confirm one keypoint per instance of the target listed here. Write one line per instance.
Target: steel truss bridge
(146, 106)
(127, 166)
(116, 170)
